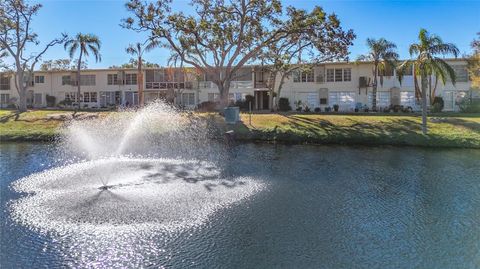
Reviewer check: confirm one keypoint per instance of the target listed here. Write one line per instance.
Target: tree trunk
(78, 78)
(141, 99)
(21, 89)
(280, 86)
(424, 103)
(223, 89)
(374, 89)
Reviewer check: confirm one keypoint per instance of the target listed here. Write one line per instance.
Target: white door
(448, 101)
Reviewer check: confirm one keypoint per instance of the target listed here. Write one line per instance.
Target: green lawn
(445, 130)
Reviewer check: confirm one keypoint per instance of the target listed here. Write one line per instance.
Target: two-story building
(345, 84)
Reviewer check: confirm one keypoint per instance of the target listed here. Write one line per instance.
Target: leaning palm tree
(86, 43)
(383, 55)
(427, 64)
(137, 50)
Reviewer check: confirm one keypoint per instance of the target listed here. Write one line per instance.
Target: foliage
(50, 100)
(383, 55)
(335, 107)
(221, 36)
(208, 106)
(427, 64)
(86, 43)
(438, 104)
(133, 64)
(61, 64)
(317, 110)
(17, 38)
(468, 105)
(474, 63)
(284, 104)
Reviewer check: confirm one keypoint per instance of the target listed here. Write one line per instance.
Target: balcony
(168, 85)
(241, 85)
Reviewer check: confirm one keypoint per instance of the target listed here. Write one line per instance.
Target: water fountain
(135, 174)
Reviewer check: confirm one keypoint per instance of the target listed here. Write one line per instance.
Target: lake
(312, 207)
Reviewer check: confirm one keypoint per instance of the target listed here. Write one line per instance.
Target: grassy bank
(445, 130)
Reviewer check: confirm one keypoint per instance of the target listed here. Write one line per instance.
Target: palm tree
(427, 64)
(383, 55)
(86, 43)
(137, 50)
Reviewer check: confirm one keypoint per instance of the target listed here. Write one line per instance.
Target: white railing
(204, 84)
(242, 84)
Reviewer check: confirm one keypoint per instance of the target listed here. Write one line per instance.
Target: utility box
(232, 114)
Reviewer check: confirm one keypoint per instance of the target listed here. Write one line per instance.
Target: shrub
(468, 105)
(328, 109)
(50, 100)
(438, 104)
(317, 109)
(335, 107)
(307, 109)
(284, 104)
(208, 106)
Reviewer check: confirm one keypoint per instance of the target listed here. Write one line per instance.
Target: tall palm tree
(138, 50)
(383, 55)
(426, 64)
(86, 43)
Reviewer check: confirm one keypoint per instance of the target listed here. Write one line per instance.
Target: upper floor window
(330, 75)
(87, 80)
(4, 83)
(66, 80)
(39, 79)
(347, 74)
(131, 79)
(112, 79)
(338, 75)
(305, 76)
(461, 73)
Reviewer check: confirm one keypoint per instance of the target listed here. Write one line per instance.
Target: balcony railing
(168, 85)
(242, 84)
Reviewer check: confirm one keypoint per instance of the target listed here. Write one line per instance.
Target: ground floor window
(131, 99)
(407, 98)
(4, 98)
(188, 99)
(213, 97)
(345, 100)
(71, 96)
(383, 99)
(109, 98)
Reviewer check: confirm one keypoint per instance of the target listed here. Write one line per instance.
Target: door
(448, 100)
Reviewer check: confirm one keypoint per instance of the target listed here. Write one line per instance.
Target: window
(307, 76)
(383, 99)
(213, 97)
(345, 100)
(407, 98)
(4, 98)
(461, 73)
(66, 80)
(89, 97)
(71, 96)
(323, 101)
(296, 76)
(109, 98)
(330, 75)
(188, 99)
(4, 83)
(93, 97)
(112, 79)
(87, 80)
(131, 79)
(338, 75)
(86, 97)
(347, 74)
(39, 79)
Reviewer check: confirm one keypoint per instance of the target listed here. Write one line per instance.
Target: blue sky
(397, 21)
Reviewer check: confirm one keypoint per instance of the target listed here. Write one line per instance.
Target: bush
(335, 108)
(438, 104)
(328, 109)
(307, 109)
(317, 109)
(208, 106)
(284, 104)
(50, 100)
(468, 105)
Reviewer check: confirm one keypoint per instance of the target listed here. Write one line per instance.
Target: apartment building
(342, 83)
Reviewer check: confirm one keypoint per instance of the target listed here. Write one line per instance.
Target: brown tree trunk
(141, 100)
(424, 103)
(78, 78)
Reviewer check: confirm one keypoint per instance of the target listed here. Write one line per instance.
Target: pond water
(293, 207)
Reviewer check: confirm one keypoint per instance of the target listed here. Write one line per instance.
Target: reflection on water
(321, 207)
